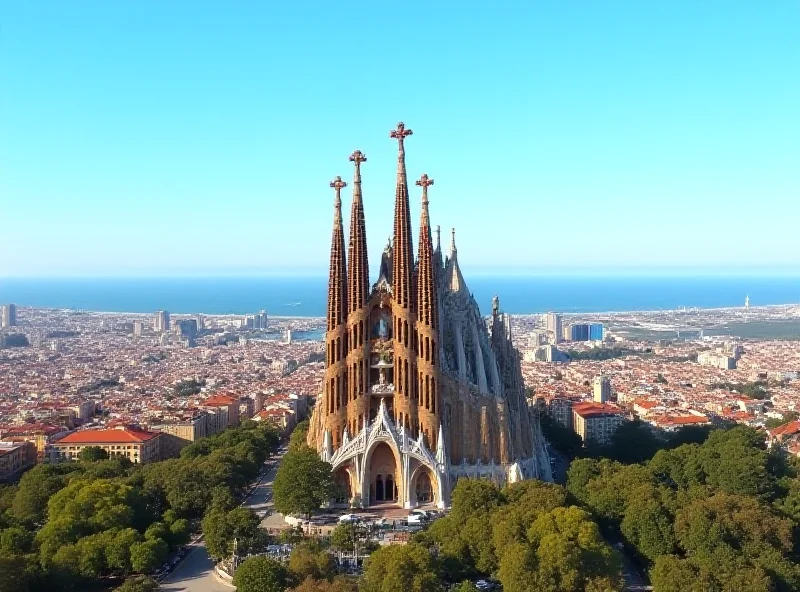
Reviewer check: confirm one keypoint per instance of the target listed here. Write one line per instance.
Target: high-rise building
(596, 332)
(161, 321)
(138, 328)
(418, 391)
(9, 316)
(579, 332)
(187, 328)
(261, 320)
(553, 325)
(602, 389)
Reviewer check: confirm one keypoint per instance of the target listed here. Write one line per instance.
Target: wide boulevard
(196, 572)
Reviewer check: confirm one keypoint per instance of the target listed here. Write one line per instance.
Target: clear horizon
(143, 137)
(469, 271)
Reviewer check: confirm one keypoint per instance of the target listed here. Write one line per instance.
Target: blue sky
(159, 137)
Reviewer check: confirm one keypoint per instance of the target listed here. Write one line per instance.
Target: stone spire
(358, 276)
(426, 286)
(437, 251)
(426, 325)
(358, 293)
(403, 252)
(455, 281)
(337, 278)
(335, 388)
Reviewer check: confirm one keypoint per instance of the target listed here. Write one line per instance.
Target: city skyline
(144, 139)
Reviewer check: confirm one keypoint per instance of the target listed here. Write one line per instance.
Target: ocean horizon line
(577, 272)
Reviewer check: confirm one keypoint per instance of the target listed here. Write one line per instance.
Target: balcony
(382, 389)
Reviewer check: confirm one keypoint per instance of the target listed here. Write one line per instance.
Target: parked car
(346, 518)
(417, 517)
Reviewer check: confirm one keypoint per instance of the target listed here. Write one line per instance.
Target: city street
(196, 572)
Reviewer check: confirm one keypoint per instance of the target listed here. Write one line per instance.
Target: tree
(118, 550)
(401, 568)
(179, 531)
(518, 568)
(303, 483)
(260, 574)
(148, 555)
(338, 584)
(220, 529)
(157, 530)
(21, 574)
(299, 435)
(472, 496)
(343, 537)
(308, 560)
(138, 584)
(15, 541)
(647, 526)
(92, 454)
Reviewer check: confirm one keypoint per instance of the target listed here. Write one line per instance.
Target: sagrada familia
(419, 390)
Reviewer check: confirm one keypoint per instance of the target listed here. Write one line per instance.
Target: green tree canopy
(309, 560)
(147, 556)
(260, 574)
(303, 482)
(401, 568)
(299, 435)
(92, 454)
(138, 584)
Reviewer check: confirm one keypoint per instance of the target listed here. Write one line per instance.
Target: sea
(305, 296)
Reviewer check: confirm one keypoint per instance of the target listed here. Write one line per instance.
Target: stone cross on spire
(338, 185)
(424, 182)
(400, 133)
(358, 157)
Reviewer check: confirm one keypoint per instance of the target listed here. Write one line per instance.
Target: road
(196, 572)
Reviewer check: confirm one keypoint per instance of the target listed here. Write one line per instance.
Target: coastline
(321, 318)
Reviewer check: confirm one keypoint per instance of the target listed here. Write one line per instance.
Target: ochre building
(420, 389)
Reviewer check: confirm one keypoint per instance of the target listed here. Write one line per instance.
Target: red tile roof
(645, 403)
(786, 429)
(126, 435)
(595, 409)
(220, 401)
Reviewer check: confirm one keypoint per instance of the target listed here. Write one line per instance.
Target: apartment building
(596, 421)
(138, 445)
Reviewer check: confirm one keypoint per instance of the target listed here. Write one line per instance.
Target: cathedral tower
(404, 331)
(427, 326)
(335, 388)
(358, 313)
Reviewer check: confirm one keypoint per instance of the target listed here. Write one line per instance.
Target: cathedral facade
(419, 389)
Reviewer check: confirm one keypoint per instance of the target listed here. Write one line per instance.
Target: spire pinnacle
(424, 182)
(438, 238)
(358, 276)
(400, 133)
(337, 279)
(338, 185)
(403, 254)
(452, 243)
(426, 281)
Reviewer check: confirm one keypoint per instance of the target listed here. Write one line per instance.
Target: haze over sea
(306, 295)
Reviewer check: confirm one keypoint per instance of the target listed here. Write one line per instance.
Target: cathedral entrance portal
(342, 483)
(382, 475)
(422, 486)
